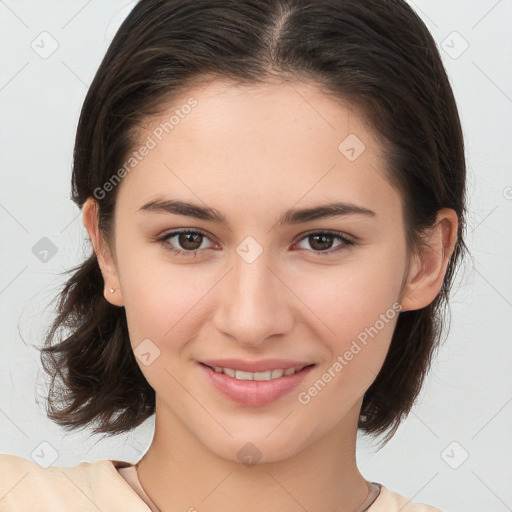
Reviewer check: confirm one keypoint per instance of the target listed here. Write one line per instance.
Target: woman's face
(266, 288)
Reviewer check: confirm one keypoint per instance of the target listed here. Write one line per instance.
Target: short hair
(376, 54)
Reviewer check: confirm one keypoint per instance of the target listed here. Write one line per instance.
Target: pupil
(189, 239)
(323, 239)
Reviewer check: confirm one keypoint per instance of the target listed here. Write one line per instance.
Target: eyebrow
(292, 216)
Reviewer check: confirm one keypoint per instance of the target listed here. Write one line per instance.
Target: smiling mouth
(276, 373)
(256, 388)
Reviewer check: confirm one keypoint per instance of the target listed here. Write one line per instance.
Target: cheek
(358, 308)
(363, 323)
(356, 294)
(158, 294)
(161, 300)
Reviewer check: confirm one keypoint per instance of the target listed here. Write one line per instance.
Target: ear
(103, 253)
(428, 268)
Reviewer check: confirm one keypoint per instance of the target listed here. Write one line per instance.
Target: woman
(275, 195)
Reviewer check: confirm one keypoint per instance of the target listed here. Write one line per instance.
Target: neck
(179, 473)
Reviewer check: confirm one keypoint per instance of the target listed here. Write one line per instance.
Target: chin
(257, 447)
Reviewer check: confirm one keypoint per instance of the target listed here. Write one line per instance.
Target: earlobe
(103, 254)
(428, 269)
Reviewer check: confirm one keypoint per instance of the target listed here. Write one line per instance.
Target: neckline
(128, 472)
(375, 489)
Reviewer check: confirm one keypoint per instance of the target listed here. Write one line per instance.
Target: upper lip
(256, 366)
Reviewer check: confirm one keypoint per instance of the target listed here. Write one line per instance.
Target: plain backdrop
(454, 450)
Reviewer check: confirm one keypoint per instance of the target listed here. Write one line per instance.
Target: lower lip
(251, 392)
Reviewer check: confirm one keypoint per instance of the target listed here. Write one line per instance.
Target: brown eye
(183, 243)
(321, 241)
(189, 241)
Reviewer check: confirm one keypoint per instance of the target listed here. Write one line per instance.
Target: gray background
(454, 450)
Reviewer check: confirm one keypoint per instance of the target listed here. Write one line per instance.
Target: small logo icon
(249, 249)
(44, 454)
(249, 454)
(454, 455)
(44, 250)
(44, 45)
(454, 45)
(146, 352)
(351, 147)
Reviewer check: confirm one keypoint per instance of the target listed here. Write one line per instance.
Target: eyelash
(347, 243)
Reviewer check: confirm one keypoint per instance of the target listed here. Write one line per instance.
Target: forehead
(276, 142)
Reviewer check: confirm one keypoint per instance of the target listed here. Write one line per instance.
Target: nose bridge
(254, 302)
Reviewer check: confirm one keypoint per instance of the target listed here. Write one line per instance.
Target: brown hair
(377, 54)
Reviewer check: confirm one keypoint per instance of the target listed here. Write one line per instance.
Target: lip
(254, 393)
(256, 366)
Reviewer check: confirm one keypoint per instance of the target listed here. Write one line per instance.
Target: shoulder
(390, 501)
(25, 485)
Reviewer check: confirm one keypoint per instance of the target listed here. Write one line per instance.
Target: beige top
(110, 486)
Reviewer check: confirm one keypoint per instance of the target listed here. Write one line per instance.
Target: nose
(255, 303)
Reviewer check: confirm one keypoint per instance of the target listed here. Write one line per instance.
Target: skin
(252, 153)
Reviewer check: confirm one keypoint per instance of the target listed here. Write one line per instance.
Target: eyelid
(299, 237)
(166, 235)
(347, 241)
(332, 232)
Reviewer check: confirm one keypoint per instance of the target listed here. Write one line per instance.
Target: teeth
(262, 375)
(276, 374)
(229, 371)
(241, 375)
(268, 375)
